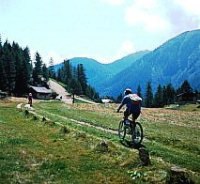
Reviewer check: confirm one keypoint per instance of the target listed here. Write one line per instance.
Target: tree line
(75, 79)
(164, 95)
(18, 71)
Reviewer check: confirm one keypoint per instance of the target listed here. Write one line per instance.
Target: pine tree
(37, 70)
(28, 68)
(170, 94)
(149, 96)
(0, 45)
(76, 80)
(58, 77)
(165, 97)
(19, 81)
(75, 88)
(67, 70)
(8, 60)
(82, 77)
(185, 87)
(158, 98)
(45, 72)
(51, 69)
(92, 94)
(3, 77)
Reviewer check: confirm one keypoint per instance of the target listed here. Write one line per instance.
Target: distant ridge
(97, 73)
(173, 62)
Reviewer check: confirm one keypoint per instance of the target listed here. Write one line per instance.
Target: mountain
(97, 73)
(173, 62)
(125, 62)
(94, 69)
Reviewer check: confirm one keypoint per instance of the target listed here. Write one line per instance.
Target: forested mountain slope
(173, 62)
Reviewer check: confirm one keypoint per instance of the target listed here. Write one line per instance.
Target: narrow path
(66, 97)
(82, 123)
(61, 91)
(22, 106)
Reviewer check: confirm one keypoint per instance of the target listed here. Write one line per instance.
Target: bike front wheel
(125, 131)
(137, 136)
(121, 130)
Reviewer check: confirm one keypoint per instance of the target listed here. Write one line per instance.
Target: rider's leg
(134, 117)
(126, 114)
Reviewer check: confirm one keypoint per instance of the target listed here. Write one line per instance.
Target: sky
(105, 30)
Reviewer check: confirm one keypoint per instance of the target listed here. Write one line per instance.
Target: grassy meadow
(32, 151)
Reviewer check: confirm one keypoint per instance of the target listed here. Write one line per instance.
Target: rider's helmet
(30, 94)
(127, 91)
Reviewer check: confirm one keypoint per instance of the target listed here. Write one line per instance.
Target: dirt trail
(61, 91)
(81, 123)
(66, 97)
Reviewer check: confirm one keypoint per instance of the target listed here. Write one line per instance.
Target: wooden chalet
(187, 97)
(40, 92)
(3, 94)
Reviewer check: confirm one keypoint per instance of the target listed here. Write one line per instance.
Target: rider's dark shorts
(127, 112)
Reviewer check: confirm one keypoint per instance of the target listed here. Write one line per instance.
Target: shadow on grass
(142, 152)
(130, 144)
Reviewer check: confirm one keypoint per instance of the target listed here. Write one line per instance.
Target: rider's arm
(121, 105)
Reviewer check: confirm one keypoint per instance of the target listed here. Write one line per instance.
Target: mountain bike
(131, 132)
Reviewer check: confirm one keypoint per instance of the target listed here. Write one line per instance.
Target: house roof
(105, 100)
(186, 93)
(3, 93)
(41, 89)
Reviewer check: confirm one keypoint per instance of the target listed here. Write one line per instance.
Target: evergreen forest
(18, 72)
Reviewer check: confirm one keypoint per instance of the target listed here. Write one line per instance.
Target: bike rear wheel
(137, 135)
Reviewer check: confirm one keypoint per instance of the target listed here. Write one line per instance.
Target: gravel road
(61, 91)
(65, 95)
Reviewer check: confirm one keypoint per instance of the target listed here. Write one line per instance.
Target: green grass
(103, 118)
(167, 137)
(190, 107)
(32, 152)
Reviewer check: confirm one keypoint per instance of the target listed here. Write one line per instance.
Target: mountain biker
(133, 105)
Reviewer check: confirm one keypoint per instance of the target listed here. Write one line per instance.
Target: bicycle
(131, 132)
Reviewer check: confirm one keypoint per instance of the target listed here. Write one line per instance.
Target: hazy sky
(105, 30)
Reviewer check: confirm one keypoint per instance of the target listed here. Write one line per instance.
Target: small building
(187, 97)
(106, 101)
(40, 92)
(3, 94)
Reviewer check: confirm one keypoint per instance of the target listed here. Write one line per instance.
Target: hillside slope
(97, 73)
(173, 62)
